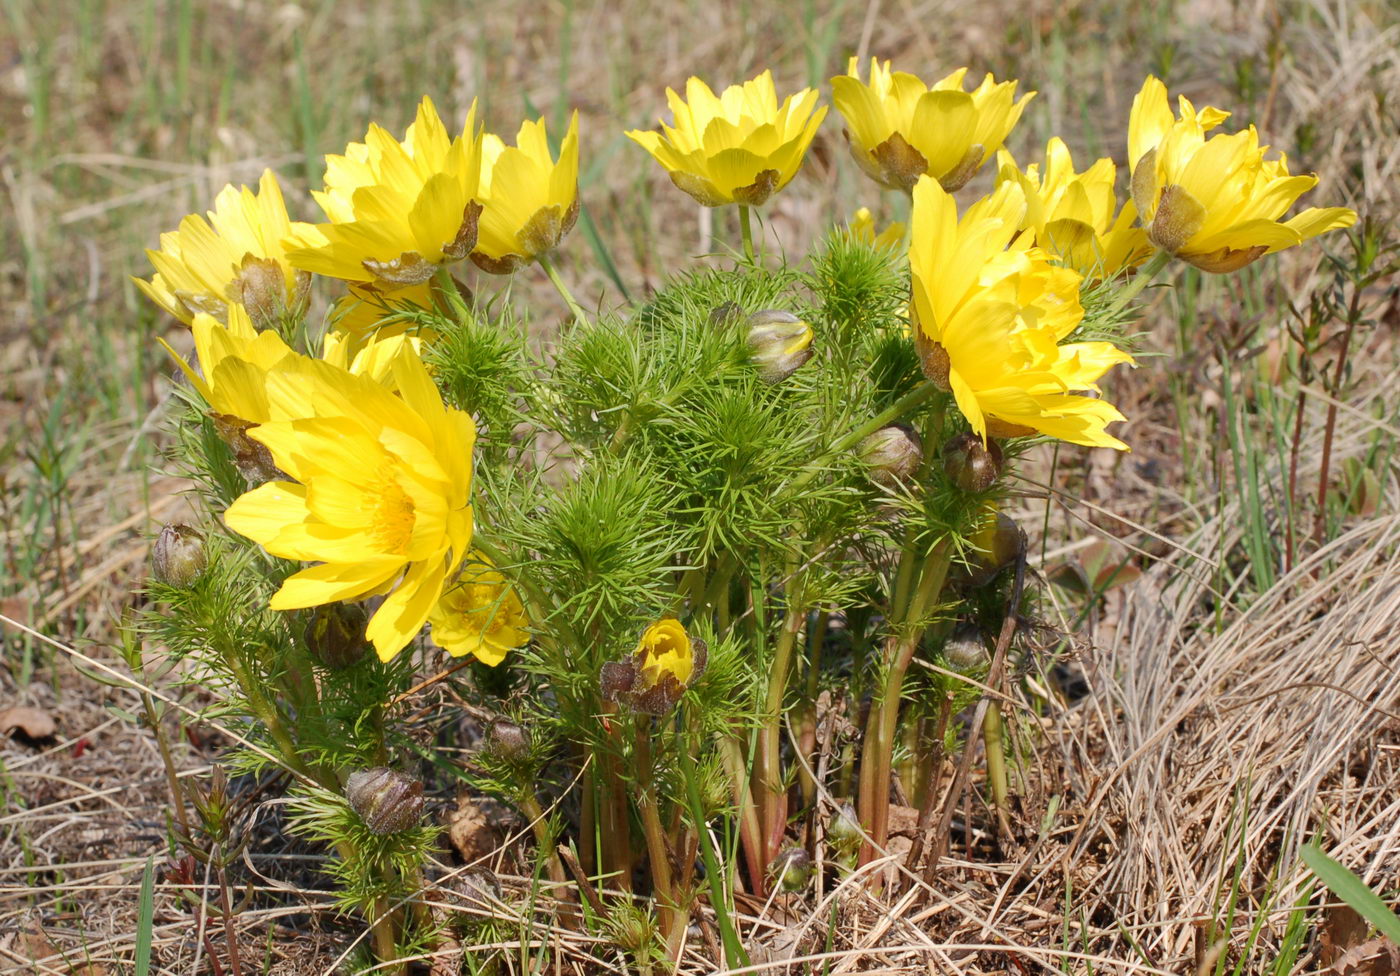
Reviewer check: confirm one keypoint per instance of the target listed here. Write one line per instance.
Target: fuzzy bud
(893, 454)
(792, 869)
(971, 465)
(964, 651)
(999, 545)
(725, 314)
(387, 801)
(779, 343)
(335, 635)
(507, 740)
(178, 558)
(844, 827)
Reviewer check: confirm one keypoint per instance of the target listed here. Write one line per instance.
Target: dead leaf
(33, 723)
(472, 829)
(1378, 957)
(1342, 928)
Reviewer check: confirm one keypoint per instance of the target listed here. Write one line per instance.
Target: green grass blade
(145, 919)
(1352, 890)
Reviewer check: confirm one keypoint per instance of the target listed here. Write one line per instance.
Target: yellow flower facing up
(233, 258)
(990, 315)
(665, 652)
(667, 662)
(398, 210)
(1214, 202)
(480, 615)
(531, 200)
(739, 146)
(900, 128)
(1075, 216)
(862, 228)
(378, 496)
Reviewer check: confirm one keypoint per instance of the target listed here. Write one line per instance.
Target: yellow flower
(900, 129)
(1215, 203)
(531, 201)
(236, 257)
(380, 496)
(990, 312)
(480, 615)
(398, 210)
(372, 355)
(665, 651)
(1075, 215)
(233, 363)
(862, 228)
(736, 147)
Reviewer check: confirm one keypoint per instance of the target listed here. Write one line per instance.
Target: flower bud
(335, 635)
(964, 651)
(893, 454)
(387, 801)
(844, 827)
(1000, 543)
(792, 868)
(177, 558)
(779, 343)
(507, 739)
(725, 313)
(970, 464)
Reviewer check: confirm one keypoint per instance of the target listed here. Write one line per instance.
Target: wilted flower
(862, 228)
(387, 801)
(997, 543)
(971, 464)
(667, 662)
(1075, 216)
(382, 493)
(178, 558)
(964, 650)
(990, 313)
(893, 454)
(792, 868)
(398, 210)
(736, 147)
(236, 257)
(480, 615)
(507, 739)
(1215, 203)
(779, 343)
(900, 128)
(531, 201)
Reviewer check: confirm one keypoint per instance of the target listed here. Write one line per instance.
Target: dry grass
(1224, 727)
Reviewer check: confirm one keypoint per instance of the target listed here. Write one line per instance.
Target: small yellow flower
(1214, 202)
(531, 201)
(234, 360)
(665, 651)
(480, 615)
(990, 314)
(862, 228)
(398, 210)
(736, 147)
(364, 310)
(900, 128)
(235, 257)
(379, 494)
(1075, 216)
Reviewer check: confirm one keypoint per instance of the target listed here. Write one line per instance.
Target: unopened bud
(335, 635)
(792, 868)
(387, 801)
(507, 739)
(779, 343)
(844, 828)
(964, 651)
(893, 454)
(970, 464)
(999, 545)
(178, 558)
(725, 313)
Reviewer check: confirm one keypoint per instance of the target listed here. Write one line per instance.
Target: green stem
(992, 741)
(662, 888)
(1141, 280)
(770, 766)
(746, 232)
(734, 955)
(553, 274)
(750, 832)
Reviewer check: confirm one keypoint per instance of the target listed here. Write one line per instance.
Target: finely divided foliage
(683, 543)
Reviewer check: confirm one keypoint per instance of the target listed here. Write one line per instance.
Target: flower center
(392, 521)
